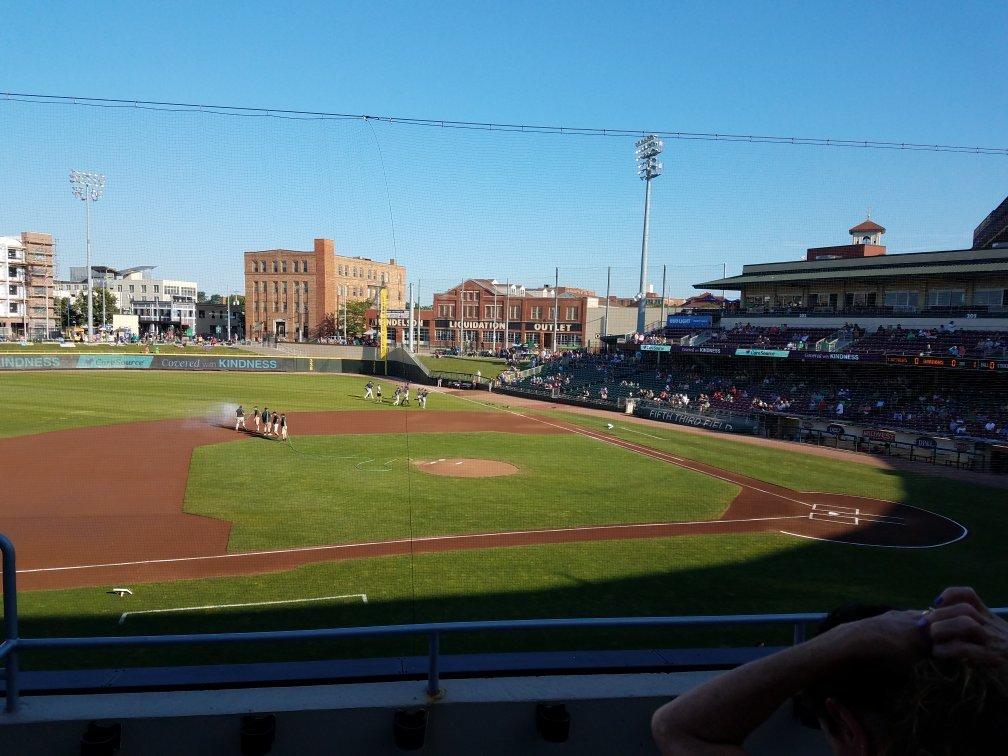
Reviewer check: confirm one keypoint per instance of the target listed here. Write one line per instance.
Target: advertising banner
(656, 347)
(383, 324)
(36, 362)
(712, 422)
(689, 321)
(114, 361)
(778, 353)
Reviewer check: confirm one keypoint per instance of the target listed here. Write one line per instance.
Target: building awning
(737, 283)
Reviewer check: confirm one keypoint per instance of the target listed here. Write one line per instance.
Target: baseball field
(476, 507)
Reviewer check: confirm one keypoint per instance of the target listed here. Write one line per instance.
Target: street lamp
(88, 187)
(648, 167)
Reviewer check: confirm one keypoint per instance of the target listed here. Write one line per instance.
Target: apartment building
(26, 285)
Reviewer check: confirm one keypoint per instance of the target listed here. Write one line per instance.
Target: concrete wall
(496, 716)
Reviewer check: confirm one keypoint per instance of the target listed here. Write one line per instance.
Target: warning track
(87, 509)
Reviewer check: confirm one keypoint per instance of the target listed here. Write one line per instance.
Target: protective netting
(475, 506)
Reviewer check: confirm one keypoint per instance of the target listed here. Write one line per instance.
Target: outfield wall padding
(238, 363)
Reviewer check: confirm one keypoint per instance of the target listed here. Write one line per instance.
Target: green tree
(69, 315)
(80, 304)
(201, 296)
(356, 316)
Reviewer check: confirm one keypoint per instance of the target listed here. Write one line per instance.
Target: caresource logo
(29, 363)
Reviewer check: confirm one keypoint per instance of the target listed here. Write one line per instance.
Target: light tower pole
(648, 167)
(88, 187)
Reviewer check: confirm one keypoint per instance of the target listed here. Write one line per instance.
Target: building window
(14, 307)
(131, 288)
(12, 290)
(304, 266)
(442, 334)
(446, 310)
(513, 312)
(495, 311)
(536, 313)
(471, 311)
(39, 291)
(571, 313)
(946, 298)
(903, 299)
(990, 297)
(470, 337)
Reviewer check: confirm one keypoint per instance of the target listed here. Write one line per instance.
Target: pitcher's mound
(465, 468)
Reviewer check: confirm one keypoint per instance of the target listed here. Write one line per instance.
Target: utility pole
(662, 296)
(648, 167)
(608, 281)
(556, 307)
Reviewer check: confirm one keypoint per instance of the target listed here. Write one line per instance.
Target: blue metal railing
(13, 644)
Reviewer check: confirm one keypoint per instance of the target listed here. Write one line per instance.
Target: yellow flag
(383, 324)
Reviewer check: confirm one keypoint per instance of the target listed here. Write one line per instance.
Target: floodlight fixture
(88, 186)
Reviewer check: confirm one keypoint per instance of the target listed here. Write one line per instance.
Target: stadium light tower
(648, 167)
(88, 187)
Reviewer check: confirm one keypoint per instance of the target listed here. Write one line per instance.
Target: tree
(356, 316)
(216, 299)
(201, 296)
(327, 328)
(80, 304)
(69, 315)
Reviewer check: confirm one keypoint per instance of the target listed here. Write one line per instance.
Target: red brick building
(481, 313)
(288, 293)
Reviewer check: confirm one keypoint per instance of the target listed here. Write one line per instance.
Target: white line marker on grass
(207, 607)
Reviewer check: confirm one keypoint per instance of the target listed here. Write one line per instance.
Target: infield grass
(339, 489)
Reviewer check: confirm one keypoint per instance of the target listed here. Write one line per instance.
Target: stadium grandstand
(903, 354)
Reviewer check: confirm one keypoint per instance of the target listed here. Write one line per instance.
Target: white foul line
(122, 619)
(397, 541)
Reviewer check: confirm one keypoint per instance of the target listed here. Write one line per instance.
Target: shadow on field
(688, 575)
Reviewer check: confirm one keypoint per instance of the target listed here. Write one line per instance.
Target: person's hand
(892, 637)
(962, 627)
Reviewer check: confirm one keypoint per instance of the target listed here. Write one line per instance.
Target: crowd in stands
(899, 402)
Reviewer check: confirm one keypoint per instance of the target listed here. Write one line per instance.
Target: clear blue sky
(189, 192)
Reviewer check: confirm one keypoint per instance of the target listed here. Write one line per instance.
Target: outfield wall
(237, 363)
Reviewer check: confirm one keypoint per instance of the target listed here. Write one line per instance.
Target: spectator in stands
(879, 683)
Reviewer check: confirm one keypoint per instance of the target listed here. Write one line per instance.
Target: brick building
(288, 293)
(481, 313)
(26, 299)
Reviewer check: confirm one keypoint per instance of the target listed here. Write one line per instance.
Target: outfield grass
(340, 489)
(489, 367)
(35, 402)
(165, 349)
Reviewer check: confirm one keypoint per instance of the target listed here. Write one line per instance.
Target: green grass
(331, 493)
(31, 348)
(489, 367)
(37, 402)
(750, 573)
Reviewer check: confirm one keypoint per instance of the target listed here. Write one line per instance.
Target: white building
(13, 289)
(159, 303)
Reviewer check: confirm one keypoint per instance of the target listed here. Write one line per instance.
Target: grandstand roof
(956, 261)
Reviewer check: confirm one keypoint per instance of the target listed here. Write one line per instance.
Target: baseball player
(283, 427)
(405, 394)
(266, 421)
(369, 390)
(255, 416)
(378, 394)
(422, 398)
(240, 418)
(397, 396)
(276, 424)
